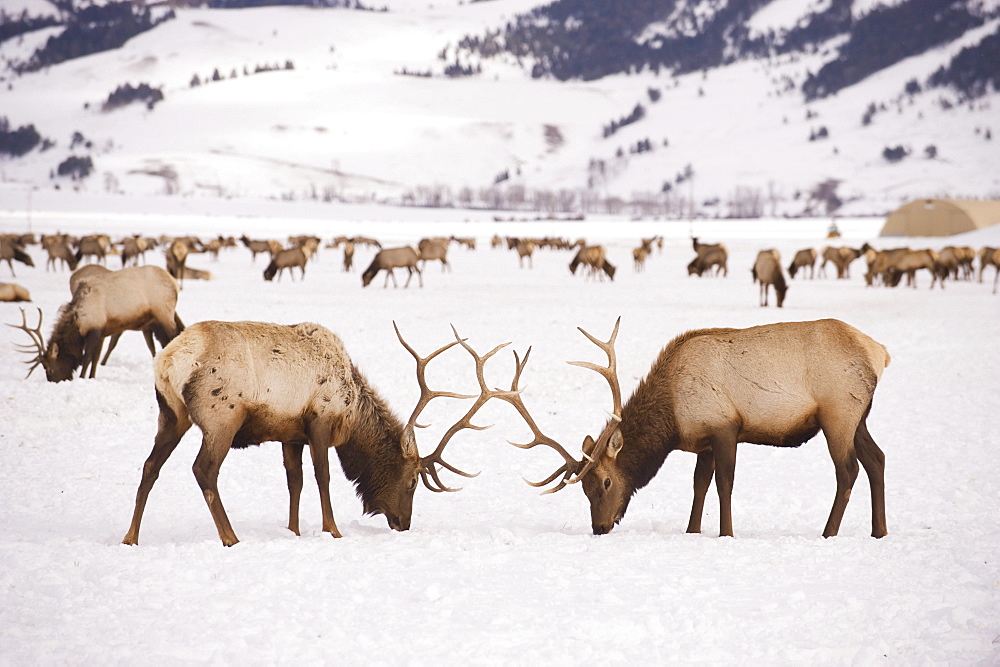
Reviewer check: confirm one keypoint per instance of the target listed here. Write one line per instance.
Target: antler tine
(426, 394)
(513, 397)
(609, 373)
(429, 470)
(37, 345)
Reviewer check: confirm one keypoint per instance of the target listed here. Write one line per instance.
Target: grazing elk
(136, 298)
(708, 255)
(908, 263)
(245, 383)
(177, 253)
(133, 249)
(805, 258)
(767, 271)
(11, 248)
(287, 259)
(594, 258)
(59, 250)
(709, 389)
(10, 292)
(388, 259)
(431, 249)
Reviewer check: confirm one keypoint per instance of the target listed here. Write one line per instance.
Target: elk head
(606, 486)
(58, 366)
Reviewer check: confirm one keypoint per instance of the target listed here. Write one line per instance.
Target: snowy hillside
(345, 111)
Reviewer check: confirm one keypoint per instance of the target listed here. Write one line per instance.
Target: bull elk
(388, 259)
(136, 298)
(244, 383)
(767, 271)
(710, 389)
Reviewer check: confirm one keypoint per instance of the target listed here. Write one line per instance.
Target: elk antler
(572, 470)
(428, 464)
(37, 345)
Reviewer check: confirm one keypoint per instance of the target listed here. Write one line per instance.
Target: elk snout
(397, 523)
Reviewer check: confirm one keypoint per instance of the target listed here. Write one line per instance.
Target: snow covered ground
(495, 573)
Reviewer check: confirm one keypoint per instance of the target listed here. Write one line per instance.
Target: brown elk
(841, 258)
(10, 292)
(767, 271)
(58, 248)
(348, 255)
(288, 258)
(133, 249)
(805, 258)
(177, 253)
(244, 383)
(708, 255)
(639, 255)
(431, 249)
(256, 246)
(996, 263)
(709, 389)
(94, 245)
(130, 299)
(11, 248)
(987, 256)
(908, 263)
(525, 248)
(593, 257)
(388, 259)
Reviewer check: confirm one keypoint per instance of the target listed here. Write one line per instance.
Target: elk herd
(245, 383)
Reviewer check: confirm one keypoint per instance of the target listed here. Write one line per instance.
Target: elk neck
(372, 455)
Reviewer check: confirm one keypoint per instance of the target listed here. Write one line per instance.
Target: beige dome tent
(941, 217)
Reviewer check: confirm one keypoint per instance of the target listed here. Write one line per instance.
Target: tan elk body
(245, 383)
(106, 304)
(709, 389)
(767, 271)
(388, 259)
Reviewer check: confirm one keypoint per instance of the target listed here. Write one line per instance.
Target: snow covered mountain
(731, 109)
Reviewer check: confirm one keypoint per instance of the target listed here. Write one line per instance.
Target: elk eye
(413, 483)
(607, 483)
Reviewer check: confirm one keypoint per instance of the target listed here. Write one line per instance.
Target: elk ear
(588, 445)
(409, 443)
(54, 352)
(615, 444)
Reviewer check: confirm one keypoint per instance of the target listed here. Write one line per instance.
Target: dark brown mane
(373, 452)
(648, 426)
(66, 334)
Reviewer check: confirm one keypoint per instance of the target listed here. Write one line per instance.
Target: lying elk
(594, 258)
(389, 259)
(244, 383)
(707, 256)
(12, 292)
(287, 259)
(805, 258)
(767, 271)
(710, 389)
(131, 299)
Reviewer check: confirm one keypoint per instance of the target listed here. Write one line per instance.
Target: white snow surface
(496, 574)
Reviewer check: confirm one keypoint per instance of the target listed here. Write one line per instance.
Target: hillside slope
(340, 104)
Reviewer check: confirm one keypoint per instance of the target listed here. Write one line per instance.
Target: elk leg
(111, 345)
(148, 335)
(845, 463)
(214, 447)
(704, 469)
(92, 344)
(873, 460)
(292, 454)
(724, 453)
(170, 431)
(320, 452)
